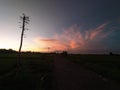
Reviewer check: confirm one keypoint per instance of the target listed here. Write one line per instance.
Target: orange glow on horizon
(70, 39)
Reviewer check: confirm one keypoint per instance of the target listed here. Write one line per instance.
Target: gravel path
(71, 76)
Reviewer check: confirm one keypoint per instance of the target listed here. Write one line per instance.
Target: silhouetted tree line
(5, 51)
(64, 53)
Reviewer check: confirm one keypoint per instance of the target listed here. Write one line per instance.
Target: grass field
(34, 72)
(105, 65)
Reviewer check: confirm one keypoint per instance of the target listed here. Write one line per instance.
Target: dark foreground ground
(33, 73)
(52, 72)
(71, 76)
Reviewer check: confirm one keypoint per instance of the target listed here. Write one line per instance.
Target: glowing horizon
(70, 39)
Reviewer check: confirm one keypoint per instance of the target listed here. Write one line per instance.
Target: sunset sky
(78, 26)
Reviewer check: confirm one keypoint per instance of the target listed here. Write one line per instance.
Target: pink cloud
(72, 39)
(95, 32)
(48, 40)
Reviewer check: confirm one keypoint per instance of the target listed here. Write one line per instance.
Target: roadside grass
(34, 74)
(7, 64)
(105, 65)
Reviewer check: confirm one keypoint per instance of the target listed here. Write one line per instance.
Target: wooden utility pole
(25, 20)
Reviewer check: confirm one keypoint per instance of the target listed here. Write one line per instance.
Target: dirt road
(71, 76)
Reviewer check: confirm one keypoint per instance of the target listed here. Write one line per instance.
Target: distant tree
(111, 53)
(65, 53)
(11, 51)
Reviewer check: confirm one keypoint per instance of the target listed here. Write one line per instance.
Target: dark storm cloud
(64, 13)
